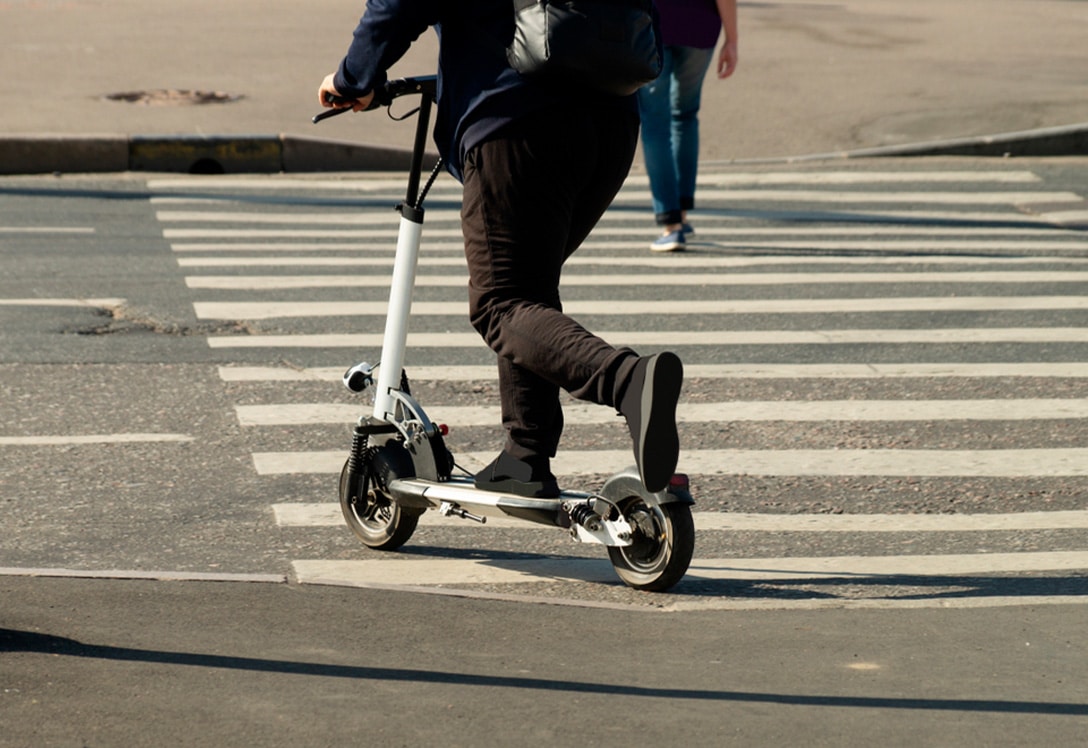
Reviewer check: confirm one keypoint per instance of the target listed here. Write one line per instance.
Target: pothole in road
(173, 97)
(122, 320)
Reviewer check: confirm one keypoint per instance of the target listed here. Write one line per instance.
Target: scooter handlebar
(425, 85)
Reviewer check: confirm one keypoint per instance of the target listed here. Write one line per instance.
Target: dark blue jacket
(478, 92)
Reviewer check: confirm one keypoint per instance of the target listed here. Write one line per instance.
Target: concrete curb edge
(267, 154)
(194, 154)
(1066, 140)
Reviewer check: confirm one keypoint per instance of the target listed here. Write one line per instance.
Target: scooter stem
(404, 276)
(400, 307)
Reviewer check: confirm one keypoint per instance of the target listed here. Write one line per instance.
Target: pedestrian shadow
(711, 248)
(16, 641)
(800, 218)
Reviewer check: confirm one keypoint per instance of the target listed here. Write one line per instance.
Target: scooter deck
(461, 492)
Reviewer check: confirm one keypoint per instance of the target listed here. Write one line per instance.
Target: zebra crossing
(812, 303)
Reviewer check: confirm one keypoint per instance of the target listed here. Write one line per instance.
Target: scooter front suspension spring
(357, 457)
(359, 466)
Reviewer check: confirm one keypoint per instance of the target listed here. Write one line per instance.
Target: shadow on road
(28, 641)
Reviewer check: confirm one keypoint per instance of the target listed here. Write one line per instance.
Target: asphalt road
(885, 428)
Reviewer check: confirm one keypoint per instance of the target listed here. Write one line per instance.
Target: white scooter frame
(399, 466)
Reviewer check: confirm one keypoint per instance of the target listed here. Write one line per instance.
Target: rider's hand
(328, 88)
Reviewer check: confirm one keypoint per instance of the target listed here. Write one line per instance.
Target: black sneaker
(649, 405)
(530, 478)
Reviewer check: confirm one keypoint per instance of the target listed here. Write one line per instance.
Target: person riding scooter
(540, 164)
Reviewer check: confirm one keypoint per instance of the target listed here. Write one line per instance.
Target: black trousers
(532, 194)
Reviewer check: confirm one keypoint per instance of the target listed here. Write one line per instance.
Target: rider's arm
(386, 30)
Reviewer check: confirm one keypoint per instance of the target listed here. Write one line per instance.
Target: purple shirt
(689, 23)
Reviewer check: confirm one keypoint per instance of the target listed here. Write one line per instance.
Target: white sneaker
(670, 242)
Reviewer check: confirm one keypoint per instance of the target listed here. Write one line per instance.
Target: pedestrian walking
(669, 107)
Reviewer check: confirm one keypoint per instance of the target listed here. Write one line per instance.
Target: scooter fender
(627, 483)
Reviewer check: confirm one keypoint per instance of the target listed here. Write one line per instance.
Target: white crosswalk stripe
(451, 373)
(640, 261)
(684, 338)
(575, 413)
(46, 230)
(1008, 463)
(243, 310)
(513, 571)
(328, 514)
(933, 277)
(277, 283)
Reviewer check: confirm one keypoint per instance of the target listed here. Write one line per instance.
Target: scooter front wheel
(380, 523)
(662, 547)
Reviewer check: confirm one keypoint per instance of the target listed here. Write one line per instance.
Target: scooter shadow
(595, 568)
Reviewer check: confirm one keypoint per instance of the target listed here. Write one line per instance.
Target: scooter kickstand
(449, 509)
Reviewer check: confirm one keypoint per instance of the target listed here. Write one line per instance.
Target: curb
(268, 154)
(1066, 140)
(1070, 140)
(155, 576)
(193, 154)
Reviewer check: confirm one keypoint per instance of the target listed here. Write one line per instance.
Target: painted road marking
(65, 440)
(46, 230)
(689, 260)
(445, 280)
(261, 310)
(706, 179)
(1068, 217)
(1078, 369)
(907, 236)
(917, 245)
(708, 223)
(93, 303)
(856, 177)
(729, 226)
(579, 413)
(734, 193)
(390, 233)
(872, 197)
(520, 571)
(327, 514)
(677, 338)
(990, 463)
(999, 218)
(857, 245)
(892, 223)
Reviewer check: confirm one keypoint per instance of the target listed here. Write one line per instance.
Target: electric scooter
(399, 466)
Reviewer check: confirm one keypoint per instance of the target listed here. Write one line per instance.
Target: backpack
(612, 46)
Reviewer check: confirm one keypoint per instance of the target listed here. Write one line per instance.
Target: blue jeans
(669, 108)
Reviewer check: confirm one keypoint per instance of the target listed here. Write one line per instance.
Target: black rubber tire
(664, 542)
(380, 523)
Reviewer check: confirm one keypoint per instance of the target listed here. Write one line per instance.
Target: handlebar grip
(376, 101)
(383, 95)
(329, 113)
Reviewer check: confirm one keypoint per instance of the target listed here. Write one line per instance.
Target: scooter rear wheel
(380, 523)
(664, 542)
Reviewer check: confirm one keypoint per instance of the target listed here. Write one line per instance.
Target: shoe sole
(658, 439)
(673, 247)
